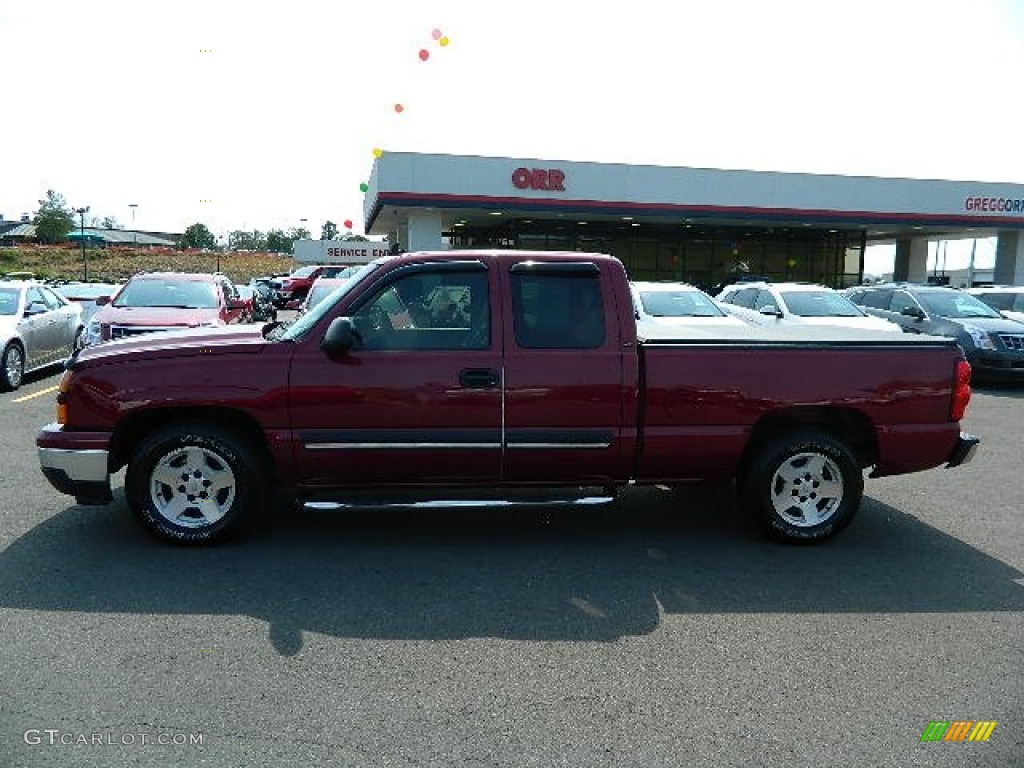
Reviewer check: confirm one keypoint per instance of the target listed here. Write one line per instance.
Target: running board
(369, 502)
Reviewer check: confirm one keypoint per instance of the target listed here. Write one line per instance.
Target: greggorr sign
(994, 204)
(338, 251)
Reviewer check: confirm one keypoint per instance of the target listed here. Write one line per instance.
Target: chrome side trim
(548, 446)
(331, 506)
(89, 466)
(399, 446)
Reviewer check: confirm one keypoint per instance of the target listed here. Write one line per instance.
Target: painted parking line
(40, 393)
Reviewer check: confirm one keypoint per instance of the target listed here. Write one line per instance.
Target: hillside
(111, 264)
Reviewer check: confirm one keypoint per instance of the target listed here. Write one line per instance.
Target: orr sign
(543, 179)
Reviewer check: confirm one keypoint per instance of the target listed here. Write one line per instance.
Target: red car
(162, 301)
(289, 291)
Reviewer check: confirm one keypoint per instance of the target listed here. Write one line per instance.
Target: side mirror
(341, 336)
(102, 301)
(771, 310)
(35, 308)
(914, 312)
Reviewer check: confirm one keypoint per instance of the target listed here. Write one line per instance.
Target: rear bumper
(964, 450)
(75, 463)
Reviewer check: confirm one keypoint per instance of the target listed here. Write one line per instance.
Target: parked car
(322, 288)
(1007, 299)
(994, 345)
(161, 301)
(86, 294)
(292, 289)
(263, 309)
(797, 304)
(661, 307)
(542, 388)
(38, 328)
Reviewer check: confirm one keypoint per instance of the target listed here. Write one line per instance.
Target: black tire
(12, 367)
(802, 487)
(220, 482)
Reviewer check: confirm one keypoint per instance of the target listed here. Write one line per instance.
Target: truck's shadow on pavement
(536, 575)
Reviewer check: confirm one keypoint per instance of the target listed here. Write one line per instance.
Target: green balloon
(363, 187)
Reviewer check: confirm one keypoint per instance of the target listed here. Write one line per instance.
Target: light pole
(135, 235)
(81, 236)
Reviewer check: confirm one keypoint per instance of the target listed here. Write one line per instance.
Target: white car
(38, 328)
(797, 304)
(661, 307)
(1007, 299)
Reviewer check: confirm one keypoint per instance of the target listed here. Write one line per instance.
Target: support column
(1009, 258)
(424, 231)
(911, 261)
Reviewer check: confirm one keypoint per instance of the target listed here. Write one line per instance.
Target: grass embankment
(111, 264)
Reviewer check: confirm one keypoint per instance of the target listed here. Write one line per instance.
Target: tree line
(55, 220)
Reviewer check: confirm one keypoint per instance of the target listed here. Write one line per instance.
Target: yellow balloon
(377, 152)
(443, 41)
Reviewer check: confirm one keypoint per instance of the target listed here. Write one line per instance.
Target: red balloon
(347, 223)
(424, 54)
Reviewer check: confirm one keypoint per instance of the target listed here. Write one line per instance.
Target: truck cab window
(558, 311)
(444, 310)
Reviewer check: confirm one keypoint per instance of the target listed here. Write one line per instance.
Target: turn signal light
(962, 393)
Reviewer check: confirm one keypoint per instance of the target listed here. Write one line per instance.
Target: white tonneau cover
(730, 334)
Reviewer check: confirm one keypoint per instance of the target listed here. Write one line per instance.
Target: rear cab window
(558, 305)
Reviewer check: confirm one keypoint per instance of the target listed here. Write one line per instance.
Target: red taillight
(962, 392)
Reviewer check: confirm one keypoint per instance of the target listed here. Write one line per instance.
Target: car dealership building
(700, 225)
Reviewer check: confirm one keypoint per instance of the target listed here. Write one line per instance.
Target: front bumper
(76, 463)
(964, 450)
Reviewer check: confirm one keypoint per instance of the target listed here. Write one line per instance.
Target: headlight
(981, 339)
(93, 333)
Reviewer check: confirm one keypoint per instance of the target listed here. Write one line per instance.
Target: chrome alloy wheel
(192, 487)
(14, 366)
(807, 489)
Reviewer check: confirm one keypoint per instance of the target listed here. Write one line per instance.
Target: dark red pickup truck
(489, 376)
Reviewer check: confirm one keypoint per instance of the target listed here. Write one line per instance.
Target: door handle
(478, 378)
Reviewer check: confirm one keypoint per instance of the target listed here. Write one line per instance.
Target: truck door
(418, 401)
(564, 377)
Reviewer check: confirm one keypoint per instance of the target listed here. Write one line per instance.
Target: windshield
(303, 272)
(819, 304)
(8, 301)
(955, 304)
(678, 304)
(298, 329)
(169, 292)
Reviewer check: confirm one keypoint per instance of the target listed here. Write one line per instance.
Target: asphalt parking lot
(662, 632)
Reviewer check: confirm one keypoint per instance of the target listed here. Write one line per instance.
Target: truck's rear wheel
(803, 487)
(192, 484)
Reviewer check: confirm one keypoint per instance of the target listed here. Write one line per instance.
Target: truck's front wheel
(192, 484)
(803, 487)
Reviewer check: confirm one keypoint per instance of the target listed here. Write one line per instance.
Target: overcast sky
(259, 114)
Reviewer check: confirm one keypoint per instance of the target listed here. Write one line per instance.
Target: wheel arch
(133, 429)
(848, 425)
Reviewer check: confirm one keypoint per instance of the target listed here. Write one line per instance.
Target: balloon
(363, 187)
(443, 41)
(347, 223)
(436, 34)
(377, 151)
(399, 108)
(424, 54)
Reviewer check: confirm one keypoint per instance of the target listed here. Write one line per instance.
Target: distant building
(96, 236)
